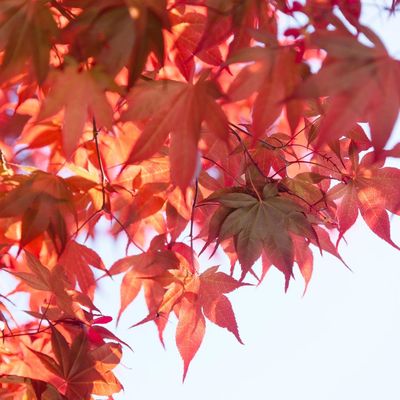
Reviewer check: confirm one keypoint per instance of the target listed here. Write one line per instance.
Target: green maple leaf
(266, 223)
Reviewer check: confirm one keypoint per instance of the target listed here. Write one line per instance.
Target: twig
(130, 240)
(101, 167)
(63, 11)
(44, 314)
(196, 192)
(246, 150)
(223, 169)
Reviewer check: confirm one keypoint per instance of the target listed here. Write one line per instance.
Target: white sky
(339, 342)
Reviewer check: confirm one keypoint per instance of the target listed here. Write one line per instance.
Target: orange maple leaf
(81, 95)
(76, 260)
(179, 109)
(372, 190)
(83, 371)
(41, 200)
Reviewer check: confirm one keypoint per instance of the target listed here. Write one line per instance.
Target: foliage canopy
(257, 129)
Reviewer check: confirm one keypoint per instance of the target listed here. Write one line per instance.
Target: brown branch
(44, 314)
(196, 192)
(103, 182)
(30, 332)
(62, 10)
(246, 150)
(223, 169)
(101, 167)
(130, 240)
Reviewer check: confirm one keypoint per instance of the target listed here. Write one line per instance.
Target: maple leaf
(177, 108)
(361, 82)
(229, 17)
(273, 74)
(41, 135)
(259, 224)
(193, 297)
(141, 268)
(42, 278)
(27, 32)
(189, 331)
(84, 371)
(81, 95)
(216, 306)
(373, 191)
(191, 28)
(76, 260)
(235, 107)
(119, 33)
(168, 286)
(34, 388)
(147, 201)
(202, 296)
(41, 200)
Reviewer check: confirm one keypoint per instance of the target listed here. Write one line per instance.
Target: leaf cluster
(195, 129)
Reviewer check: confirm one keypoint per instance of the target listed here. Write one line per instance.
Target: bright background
(341, 341)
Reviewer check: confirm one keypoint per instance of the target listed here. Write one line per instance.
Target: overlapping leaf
(76, 260)
(191, 27)
(83, 371)
(170, 284)
(259, 224)
(81, 95)
(179, 109)
(372, 191)
(27, 388)
(273, 74)
(119, 33)
(27, 32)
(53, 281)
(141, 268)
(229, 17)
(286, 179)
(41, 201)
(361, 82)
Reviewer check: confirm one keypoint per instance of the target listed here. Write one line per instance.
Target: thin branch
(223, 169)
(44, 314)
(101, 167)
(62, 10)
(246, 150)
(239, 128)
(29, 332)
(196, 192)
(130, 240)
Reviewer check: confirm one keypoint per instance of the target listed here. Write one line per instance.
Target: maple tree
(196, 129)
